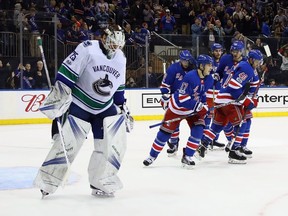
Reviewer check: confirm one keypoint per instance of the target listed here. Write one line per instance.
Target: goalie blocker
(104, 163)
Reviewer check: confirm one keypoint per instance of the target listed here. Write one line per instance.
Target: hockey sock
(159, 143)
(246, 133)
(228, 131)
(193, 140)
(175, 136)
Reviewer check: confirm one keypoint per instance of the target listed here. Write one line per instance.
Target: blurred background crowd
(156, 31)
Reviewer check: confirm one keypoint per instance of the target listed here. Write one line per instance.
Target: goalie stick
(230, 144)
(39, 42)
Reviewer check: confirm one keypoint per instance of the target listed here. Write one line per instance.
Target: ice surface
(212, 188)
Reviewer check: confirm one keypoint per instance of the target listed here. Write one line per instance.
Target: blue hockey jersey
(192, 91)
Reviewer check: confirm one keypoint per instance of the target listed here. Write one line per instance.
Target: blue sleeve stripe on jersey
(67, 73)
(70, 69)
(64, 79)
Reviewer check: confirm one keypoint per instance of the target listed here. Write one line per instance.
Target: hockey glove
(216, 77)
(201, 110)
(165, 100)
(57, 102)
(129, 120)
(248, 103)
(255, 101)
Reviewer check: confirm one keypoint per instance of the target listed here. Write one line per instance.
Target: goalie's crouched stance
(109, 132)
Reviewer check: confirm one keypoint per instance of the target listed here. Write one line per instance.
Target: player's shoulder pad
(87, 43)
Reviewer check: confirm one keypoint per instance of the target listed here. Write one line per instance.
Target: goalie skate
(236, 157)
(44, 193)
(100, 193)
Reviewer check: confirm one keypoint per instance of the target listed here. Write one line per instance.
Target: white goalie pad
(57, 102)
(107, 157)
(54, 168)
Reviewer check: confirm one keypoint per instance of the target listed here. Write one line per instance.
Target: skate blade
(103, 195)
(198, 157)
(172, 154)
(248, 156)
(233, 161)
(188, 167)
(217, 149)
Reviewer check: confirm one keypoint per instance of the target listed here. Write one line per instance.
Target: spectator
(152, 79)
(272, 83)
(196, 29)
(72, 34)
(259, 45)
(148, 15)
(28, 77)
(39, 77)
(229, 32)
(187, 14)
(210, 36)
(130, 83)
(4, 74)
(102, 17)
(168, 23)
(265, 30)
(219, 29)
(136, 14)
(283, 53)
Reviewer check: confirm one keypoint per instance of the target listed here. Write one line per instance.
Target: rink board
(22, 107)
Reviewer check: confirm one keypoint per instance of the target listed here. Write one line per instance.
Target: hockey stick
(230, 144)
(241, 97)
(192, 114)
(65, 178)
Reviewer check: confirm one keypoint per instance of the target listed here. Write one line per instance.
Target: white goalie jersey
(95, 77)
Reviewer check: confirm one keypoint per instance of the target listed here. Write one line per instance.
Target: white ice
(212, 188)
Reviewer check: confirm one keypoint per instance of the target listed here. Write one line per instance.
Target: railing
(159, 53)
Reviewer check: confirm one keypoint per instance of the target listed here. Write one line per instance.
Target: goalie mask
(114, 39)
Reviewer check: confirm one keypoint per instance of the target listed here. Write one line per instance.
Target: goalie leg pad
(54, 168)
(106, 159)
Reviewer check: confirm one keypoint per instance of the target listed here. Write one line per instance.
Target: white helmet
(115, 39)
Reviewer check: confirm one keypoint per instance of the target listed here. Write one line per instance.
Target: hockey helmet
(204, 59)
(185, 55)
(115, 39)
(256, 55)
(216, 46)
(237, 46)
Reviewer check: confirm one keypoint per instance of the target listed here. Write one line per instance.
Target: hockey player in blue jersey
(216, 52)
(171, 83)
(89, 92)
(190, 98)
(241, 74)
(227, 61)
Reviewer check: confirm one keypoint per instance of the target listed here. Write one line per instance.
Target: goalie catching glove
(57, 102)
(129, 120)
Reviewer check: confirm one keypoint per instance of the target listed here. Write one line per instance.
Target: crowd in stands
(79, 20)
